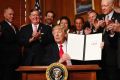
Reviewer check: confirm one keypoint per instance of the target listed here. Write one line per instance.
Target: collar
(35, 25)
(110, 15)
(49, 25)
(11, 26)
(8, 22)
(80, 32)
(64, 43)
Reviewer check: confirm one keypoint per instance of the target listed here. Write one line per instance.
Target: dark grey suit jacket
(110, 55)
(9, 45)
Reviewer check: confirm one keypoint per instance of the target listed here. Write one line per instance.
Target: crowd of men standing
(39, 43)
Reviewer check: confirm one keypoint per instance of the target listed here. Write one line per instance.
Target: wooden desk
(75, 72)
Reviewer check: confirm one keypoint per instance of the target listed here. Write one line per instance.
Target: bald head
(108, 1)
(9, 14)
(107, 6)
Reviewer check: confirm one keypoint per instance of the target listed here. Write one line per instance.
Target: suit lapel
(113, 16)
(30, 29)
(56, 51)
(10, 28)
(40, 27)
(116, 16)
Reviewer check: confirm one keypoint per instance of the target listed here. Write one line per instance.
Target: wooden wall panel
(97, 5)
(19, 8)
(65, 8)
(60, 7)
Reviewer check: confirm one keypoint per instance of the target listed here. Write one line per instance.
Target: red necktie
(61, 51)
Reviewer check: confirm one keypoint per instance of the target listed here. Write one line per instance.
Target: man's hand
(110, 27)
(116, 26)
(35, 36)
(101, 23)
(102, 45)
(64, 58)
(87, 30)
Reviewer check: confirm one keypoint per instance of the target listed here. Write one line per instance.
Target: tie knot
(107, 17)
(35, 28)
(35, 25)
(61, 45)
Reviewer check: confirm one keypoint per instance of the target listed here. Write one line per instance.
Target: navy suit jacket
(52, 55)
(34, 51)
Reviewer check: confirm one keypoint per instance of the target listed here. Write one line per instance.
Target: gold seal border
(54, 65)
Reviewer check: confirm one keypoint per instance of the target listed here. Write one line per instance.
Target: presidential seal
(56, 71)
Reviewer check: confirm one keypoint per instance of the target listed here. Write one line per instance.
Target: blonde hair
(59, 27)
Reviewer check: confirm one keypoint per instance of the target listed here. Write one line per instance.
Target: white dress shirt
(64, 47)
(80, 32)
(109, 16)
(33, 27)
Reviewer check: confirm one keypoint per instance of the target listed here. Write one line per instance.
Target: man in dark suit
(34, 37)
(92, 26)
(78, 26)
(49, 18)
(9, 47)
(110, 38)
(53, 50)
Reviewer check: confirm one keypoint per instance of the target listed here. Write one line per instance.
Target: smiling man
(9, 47)
(49, 18)
(34, 37)
(110, 38)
